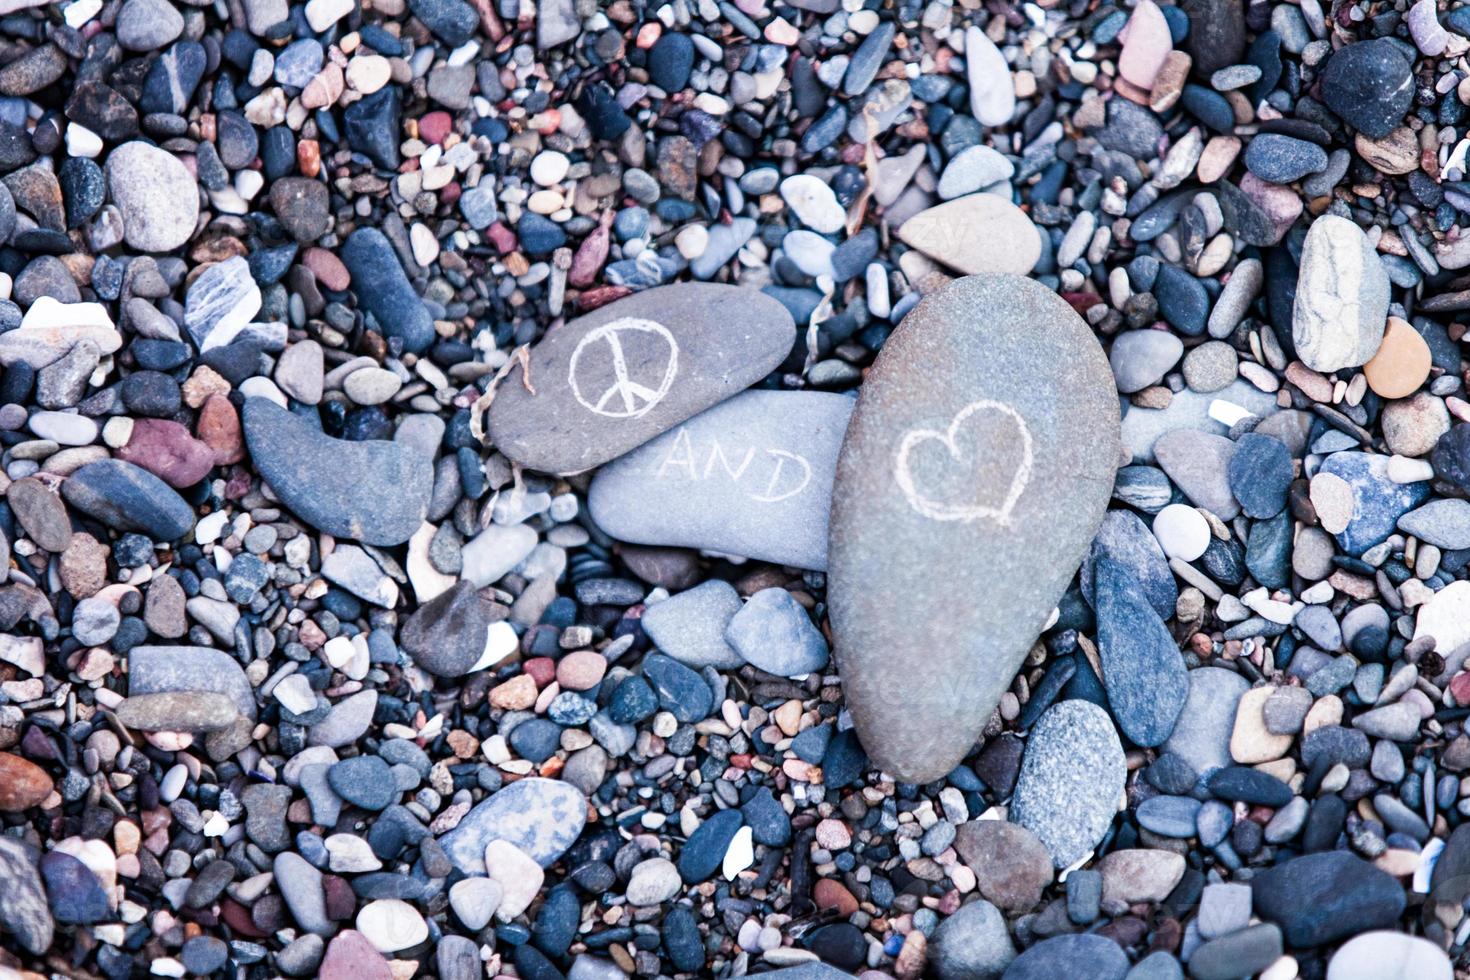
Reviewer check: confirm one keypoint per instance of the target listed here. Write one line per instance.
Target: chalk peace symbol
(602, 353)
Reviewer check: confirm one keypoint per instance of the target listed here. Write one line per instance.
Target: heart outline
(942, 511)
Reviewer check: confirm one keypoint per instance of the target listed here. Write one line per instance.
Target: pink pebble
(1146, 43)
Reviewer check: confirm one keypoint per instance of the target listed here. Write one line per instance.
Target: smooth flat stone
(1086, 955)
(1142, 669)
(974, 234)
(690, 626)
(541, 817)
(23, 907)
(373, 491)
(1342, 296)
(448, 635)
(1201, 736)
(962, 459)
(383, 289)
(129, 498)
(178, 711)
(751, 476)
(1389, 955)
(1070, 780)
(1319, 898)
(159, 670)
(610, 381)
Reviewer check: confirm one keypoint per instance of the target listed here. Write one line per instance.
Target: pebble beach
(809, 489)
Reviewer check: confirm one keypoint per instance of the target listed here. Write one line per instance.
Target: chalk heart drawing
(602, 355)
(965, 510)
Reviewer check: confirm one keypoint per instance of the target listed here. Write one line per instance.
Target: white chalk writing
(939, 509)
(774, 474)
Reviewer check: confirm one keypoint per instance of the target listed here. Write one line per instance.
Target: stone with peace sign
(608, 382)
(600, 377)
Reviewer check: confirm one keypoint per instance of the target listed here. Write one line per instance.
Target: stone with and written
(965, 454)
(608, 382)
(974, 234)
(751, 476)
(374, 491)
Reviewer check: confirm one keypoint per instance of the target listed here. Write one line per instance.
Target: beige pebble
(1402, 362)
(1250, 742)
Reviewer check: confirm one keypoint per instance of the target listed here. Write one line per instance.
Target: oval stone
(981, 453)
(23, 784)
(1071, 777)
(751, 477)
(610, 381)
(159, 670)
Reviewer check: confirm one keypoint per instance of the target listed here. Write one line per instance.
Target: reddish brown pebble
(829, 893)
(435, 126)
(23, 784)
(167, 450)
(541, 669)
(219, 429)
(327, 268)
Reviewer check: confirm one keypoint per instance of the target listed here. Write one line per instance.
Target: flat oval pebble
(1070, 778)
(959, 457)
(751, 476)
(1341, 297)
(128, 498)
(1402, 363)
(610, 381)
(1386, 955)
(157, 195)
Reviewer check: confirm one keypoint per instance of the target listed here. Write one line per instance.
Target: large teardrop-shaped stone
(974, 474)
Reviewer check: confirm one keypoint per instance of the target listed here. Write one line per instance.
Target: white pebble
(691, 241)
(82, 142)
(1182, 531)
(740, 854)
(1403, 469)
(549, 167)
(814, 203)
